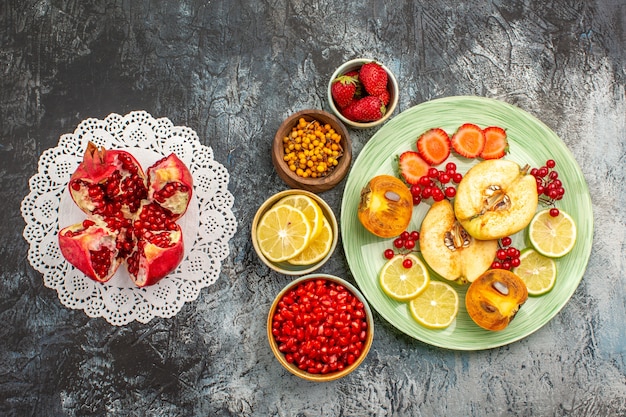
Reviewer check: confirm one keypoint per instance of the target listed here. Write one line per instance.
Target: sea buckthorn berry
(318, 149)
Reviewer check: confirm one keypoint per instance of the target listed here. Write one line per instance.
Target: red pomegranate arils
(320, 326)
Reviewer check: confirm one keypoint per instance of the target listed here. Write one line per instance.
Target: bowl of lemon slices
(294, 232)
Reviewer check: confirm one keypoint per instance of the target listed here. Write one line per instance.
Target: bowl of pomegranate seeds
(320, 327)
(312, 150)
(363, 93)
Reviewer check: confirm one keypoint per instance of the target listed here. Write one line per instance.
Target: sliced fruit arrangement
(362, 95)
(405, 278)
(131, 217)
(465, 235)
(294, 230)
(418, 168)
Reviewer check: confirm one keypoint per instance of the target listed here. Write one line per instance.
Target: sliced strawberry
(496, 143)
(468, 140)
(412, 167)
(434, 146)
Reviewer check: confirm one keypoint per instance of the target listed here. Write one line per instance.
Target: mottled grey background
(232, 70)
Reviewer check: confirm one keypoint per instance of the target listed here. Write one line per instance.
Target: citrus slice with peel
(317, 249)
(309, 207)
(436, 307)
(283, 232)
(537, 271)
(401, 283)
(552, 236)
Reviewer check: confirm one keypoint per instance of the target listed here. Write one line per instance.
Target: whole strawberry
(374, 78)
(366, 109)
(343, 90)
(385, 97)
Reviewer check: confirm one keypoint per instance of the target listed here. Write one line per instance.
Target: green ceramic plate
(530, 142)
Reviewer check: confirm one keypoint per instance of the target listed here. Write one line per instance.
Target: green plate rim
(530, 141)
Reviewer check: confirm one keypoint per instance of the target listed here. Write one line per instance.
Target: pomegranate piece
(108, 182)
(159, 249)
(132, 217)
(91, 246)
(170, 184)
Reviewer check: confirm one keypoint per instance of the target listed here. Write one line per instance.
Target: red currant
(407, 263)
(506, 241)
(438, 195)
(512, 252)
(388, 253)
(554, 212)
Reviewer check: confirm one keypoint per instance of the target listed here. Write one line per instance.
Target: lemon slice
(436, 307)
(309, 207)
(537, 271)
(317, 249)
(402, 283)
(552, 236)
(282, 233)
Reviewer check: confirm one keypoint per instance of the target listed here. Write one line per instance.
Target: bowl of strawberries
(363, 93)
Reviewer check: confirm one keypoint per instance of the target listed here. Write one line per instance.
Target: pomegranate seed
(315, 323)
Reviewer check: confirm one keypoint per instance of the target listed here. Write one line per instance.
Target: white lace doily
(207, 226)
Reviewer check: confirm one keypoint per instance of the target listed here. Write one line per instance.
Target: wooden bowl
(392, 85)
(285, 267)
(315, 185)
(291, 367)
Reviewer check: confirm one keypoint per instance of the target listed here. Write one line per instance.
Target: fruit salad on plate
(464, 237)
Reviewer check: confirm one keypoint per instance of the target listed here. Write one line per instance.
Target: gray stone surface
(232, 70)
